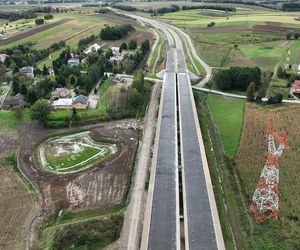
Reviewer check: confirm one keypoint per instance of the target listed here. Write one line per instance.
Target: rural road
(5, 94)
(132, 226)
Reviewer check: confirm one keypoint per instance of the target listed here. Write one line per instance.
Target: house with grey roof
(73, 61)
(81, 102)
(28, 71)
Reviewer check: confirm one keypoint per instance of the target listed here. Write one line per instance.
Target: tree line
(24, 55)
(237, 78)
(211, 7)
(13, 16)
(290, 6)
(115, 32)
(174, 8)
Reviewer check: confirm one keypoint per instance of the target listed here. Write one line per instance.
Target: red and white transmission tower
(265, 200)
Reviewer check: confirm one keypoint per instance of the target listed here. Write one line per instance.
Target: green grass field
(71, 32)
(228, 115)
(69, 231)
(9, 121)
(64, 154)
(255, 48)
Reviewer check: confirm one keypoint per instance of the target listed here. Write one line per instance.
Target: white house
(3, 57)
(63, 103)
(115, 50)
(73, 61)
(28, 71)
(95, 47)
(298, 71)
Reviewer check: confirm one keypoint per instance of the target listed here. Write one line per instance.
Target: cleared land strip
(33, 31)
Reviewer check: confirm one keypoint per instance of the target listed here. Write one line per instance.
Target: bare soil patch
(33, 31)
(215, 14)
(8, 144)
(269, 29)
(224, 29)
(17, 204)
(274, 29)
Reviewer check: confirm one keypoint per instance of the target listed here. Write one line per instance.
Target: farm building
(16, 102)
(93, 101)
(95, 47)
(28, 71)
(81, 102)
(295, 88)
(115, 50)
(61, 93)
(63, 103)
(73, 61)
(298, 71)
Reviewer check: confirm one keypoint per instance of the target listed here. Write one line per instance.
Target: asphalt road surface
(163, 233)
(199, 220)
(202, 226)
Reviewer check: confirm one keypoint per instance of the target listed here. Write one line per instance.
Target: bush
(211, 24)
(275, 99)
(132, 44)
(48, 17)
(39, 21)
(125, 7)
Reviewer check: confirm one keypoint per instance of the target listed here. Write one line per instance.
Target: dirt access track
(102, 185)
(33, 31)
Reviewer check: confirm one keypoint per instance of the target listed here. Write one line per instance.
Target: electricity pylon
(265, 200)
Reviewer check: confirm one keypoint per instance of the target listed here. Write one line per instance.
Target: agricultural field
(75, 152)
(82, 26)
(19, 201)
(18, 204)
(227, 114)
(77, 27)
(260, 40)
(249, 163)
(10, 29)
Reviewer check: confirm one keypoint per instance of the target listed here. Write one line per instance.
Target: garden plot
(71, 153)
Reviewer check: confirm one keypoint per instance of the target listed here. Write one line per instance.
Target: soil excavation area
(104, 184)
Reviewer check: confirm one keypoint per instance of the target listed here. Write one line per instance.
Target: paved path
(5, 94)
(132, 227)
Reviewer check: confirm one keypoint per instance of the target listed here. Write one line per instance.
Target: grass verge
(228, 115)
